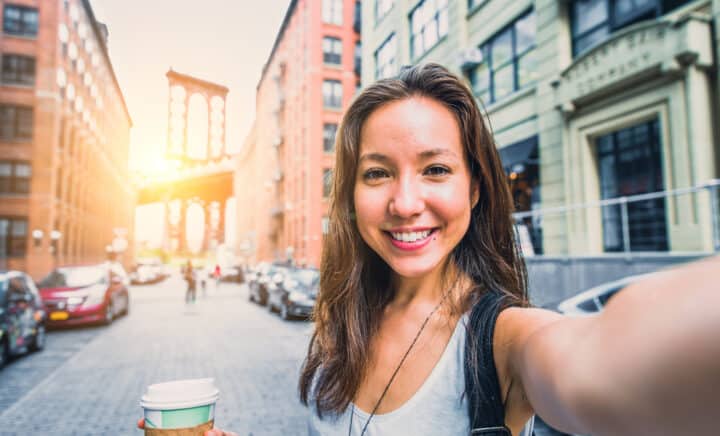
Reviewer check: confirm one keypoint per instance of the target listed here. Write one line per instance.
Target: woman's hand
(218, 432)
(213, 432)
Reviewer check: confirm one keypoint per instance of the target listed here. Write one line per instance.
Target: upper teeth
(410, 236)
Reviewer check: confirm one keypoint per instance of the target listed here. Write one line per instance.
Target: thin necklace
(387, 386)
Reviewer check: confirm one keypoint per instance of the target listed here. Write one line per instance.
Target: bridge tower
(196, 145)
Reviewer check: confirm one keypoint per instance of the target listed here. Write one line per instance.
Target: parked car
(85, 294)
(294, 294)
(148, 271)
(261, 281)
(594, 299)
(22, 316)
(144, 275)
(233, 274)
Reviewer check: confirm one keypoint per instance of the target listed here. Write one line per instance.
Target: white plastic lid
(180, 394)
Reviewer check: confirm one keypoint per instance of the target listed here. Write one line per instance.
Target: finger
(141, 423)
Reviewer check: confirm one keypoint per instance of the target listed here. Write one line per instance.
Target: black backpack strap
(485, 406)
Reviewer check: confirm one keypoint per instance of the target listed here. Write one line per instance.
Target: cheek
(453, 204)
(369, 210)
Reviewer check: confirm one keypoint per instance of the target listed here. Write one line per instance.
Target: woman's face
(413, 186)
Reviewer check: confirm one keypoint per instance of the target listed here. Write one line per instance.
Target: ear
(474, 193)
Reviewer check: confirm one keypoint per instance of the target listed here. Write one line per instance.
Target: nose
(407, 199)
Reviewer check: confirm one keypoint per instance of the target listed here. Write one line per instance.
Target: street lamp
(37, 236)
(110, 252)
(55, 236)
(289, 254)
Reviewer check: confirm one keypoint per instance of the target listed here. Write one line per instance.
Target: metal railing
(678, 220)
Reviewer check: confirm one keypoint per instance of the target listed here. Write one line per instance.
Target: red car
(91, 294)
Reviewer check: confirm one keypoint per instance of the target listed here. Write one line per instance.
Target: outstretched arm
(649, 364)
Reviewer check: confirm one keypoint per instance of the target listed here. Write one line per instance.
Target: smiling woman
(420, 230)
(422, 324)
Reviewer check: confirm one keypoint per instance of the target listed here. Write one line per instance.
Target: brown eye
(437, 170)
(374, 174)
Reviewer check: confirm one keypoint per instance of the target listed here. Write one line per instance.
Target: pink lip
(411, 246)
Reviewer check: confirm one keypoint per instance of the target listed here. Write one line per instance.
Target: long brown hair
(355, 283)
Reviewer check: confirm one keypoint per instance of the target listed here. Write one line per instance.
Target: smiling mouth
(410, 237)
(410, 240)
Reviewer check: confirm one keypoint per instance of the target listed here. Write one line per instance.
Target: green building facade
(590, 101)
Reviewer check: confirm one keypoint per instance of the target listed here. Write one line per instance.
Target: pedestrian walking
(423, 324)
(190, 277)
(216, 274)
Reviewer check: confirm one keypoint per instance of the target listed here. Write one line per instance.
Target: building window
(358, 58)
(428, 23)
(357, 19)
(20, 20)
(13, 237)
(332, 50)
(630, 163)
(475, 3)
(327, 182)
(14, 177)
(329, 131)
(16, 123)
(332, 93)
(385, 58)
(18, 69)
(593, 21)
(508, 61)
(382, 7)
(332, 11)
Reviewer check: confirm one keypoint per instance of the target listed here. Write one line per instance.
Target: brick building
(64, 139)
(286, 162)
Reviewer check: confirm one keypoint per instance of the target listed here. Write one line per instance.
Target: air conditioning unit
(470, 57)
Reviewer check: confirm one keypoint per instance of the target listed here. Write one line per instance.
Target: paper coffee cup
(181, 407)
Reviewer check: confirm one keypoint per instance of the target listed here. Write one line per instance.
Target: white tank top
(437, 408)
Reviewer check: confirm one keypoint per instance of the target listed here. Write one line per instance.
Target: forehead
(411, 125)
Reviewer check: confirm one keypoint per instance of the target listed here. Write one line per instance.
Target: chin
(413, 268)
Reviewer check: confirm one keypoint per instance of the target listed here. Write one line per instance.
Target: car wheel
(4, 353)
(38, 342)
(108, 314)
(284, 312)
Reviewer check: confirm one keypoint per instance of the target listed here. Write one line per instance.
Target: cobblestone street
(89, 381)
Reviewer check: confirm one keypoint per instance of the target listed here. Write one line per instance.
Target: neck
(425, 289)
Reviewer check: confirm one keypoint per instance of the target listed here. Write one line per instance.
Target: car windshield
(307, 277)
(588, 305)
(74, 277)
(605, 297)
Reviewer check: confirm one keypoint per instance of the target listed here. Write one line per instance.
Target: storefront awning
(522, 152)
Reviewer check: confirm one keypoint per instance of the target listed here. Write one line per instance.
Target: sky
(222, 41)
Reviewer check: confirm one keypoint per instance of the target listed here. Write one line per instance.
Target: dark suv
(22, 316)
(261, 281)
(294, 293)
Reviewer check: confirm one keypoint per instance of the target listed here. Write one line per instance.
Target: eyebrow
(422, 155)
